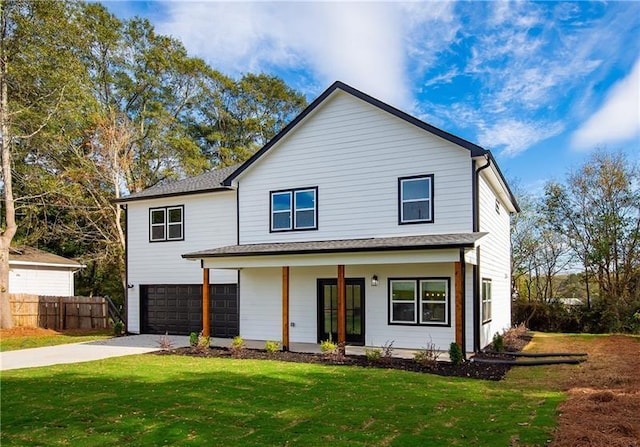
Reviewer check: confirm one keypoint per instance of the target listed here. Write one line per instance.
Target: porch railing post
(206, 318)
(342, 309)
(285, 308)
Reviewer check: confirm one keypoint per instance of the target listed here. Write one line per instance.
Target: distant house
(357, 222)
(38, 272)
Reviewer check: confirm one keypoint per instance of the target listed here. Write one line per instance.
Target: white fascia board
(319, 259)
(470, 256)
(47, 264)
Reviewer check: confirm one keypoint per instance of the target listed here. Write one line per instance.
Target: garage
(177, 309)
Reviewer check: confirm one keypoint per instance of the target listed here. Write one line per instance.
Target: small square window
(294, 209)
(166, 224)
(416, 199)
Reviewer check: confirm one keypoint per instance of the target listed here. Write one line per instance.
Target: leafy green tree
(598, 211)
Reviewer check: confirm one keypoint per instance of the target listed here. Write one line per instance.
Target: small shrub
(118, 328)
(373, 354)
(237, 346)
(328, 346)
(272, 347)
(387, 351)
(193, 339)
(165, 342)
(204, 342)
(428, 356)
(498, 342)
(332, 350)
(512, 337)
(455, 354)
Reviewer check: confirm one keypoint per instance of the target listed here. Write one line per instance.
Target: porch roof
(376, 244)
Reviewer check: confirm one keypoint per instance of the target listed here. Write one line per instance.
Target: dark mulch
(467, 369)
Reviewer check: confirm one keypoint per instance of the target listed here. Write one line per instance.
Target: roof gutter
(476, 268)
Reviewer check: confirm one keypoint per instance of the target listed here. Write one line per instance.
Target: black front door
(328, 310)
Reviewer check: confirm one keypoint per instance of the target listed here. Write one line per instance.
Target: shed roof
(208, 182)
(34, 256)
(432, 241)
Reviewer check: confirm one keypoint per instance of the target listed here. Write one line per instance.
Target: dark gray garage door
(177, 309)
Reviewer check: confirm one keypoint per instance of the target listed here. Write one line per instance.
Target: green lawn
(26, 342)
(153, 400)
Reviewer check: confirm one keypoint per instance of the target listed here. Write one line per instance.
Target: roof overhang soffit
(328, 259)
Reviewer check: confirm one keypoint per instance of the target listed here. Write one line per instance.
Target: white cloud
(516, 136)
(358, 43)
(617, 120)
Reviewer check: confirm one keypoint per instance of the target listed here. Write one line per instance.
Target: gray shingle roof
(30, 255)
(431, 241)
(209, 181)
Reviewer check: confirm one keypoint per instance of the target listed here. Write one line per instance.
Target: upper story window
(419, 301)
(415, 199)
(166, 224)
(294, 209)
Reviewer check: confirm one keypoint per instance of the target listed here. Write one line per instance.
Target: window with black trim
(166, 224)
(419, 301)
(294, 209)
(486, 300)
(415, 199)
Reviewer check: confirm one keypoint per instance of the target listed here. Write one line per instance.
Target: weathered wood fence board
(59, 312)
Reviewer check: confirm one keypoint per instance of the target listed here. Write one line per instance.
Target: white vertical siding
(495, 260)
(209, 222)
(354, 153)
(41, 280)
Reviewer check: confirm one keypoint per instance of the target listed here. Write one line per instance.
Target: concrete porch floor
(314, 348)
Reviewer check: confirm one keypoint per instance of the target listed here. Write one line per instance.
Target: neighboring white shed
(41, 273)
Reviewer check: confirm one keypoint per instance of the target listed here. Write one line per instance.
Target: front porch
(406, 290)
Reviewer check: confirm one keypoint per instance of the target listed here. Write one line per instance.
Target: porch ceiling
(403, 249)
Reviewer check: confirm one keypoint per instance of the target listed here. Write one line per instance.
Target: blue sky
(540, 84)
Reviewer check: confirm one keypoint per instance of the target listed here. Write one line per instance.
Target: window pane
(157, 216)
(305, 199)
(281, 201)
(416, 211)
(403, 291)
(175, 231)
(416, 189)
(281, 221)
(157, 233)
(433, 290)
(305, 219)
(403, 312)
(175, 215)
(434, 312)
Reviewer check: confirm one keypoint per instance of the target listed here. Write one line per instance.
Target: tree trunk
(9, 223)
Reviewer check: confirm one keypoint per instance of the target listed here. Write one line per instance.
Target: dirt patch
(603, 408)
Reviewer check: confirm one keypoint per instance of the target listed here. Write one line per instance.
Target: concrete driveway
(86, 351)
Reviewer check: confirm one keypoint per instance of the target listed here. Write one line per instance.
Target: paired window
(486, 300)
(294, 209)
(166, 224)
(415, 199)
(419, 301)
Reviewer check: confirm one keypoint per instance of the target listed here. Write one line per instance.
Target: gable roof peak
(473, 148)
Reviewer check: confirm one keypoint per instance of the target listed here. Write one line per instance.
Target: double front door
(328, 310)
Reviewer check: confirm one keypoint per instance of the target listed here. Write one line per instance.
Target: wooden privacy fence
(59, 312)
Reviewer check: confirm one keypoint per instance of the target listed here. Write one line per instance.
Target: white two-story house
(357, 222)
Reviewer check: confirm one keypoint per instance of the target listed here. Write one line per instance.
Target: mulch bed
(467, 369)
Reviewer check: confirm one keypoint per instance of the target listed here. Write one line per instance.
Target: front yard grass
(13, 340)
(154, 400)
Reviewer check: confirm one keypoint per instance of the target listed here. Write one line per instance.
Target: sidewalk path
(86, 351)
